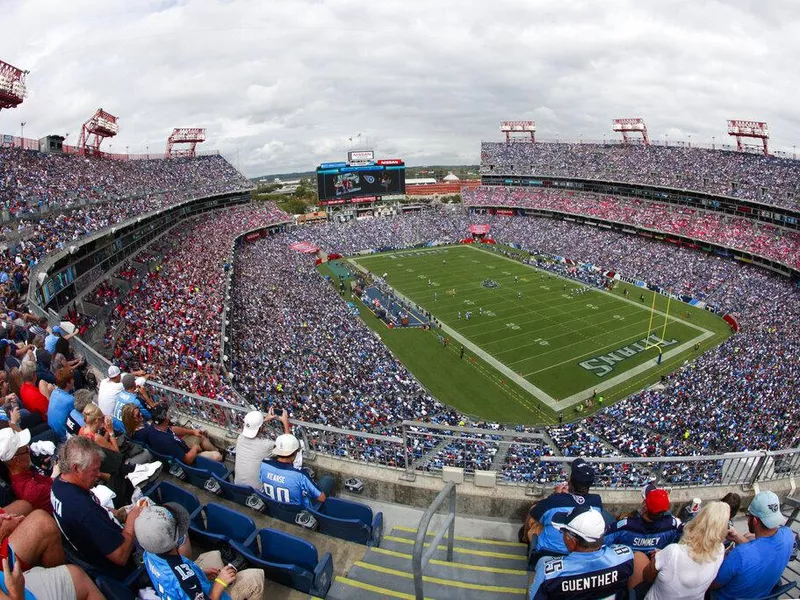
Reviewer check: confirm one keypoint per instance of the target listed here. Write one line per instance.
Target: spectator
(75, 420)
(104, 541)
(133, 420)
(251, 450)
(650, 529)
(162, 438)
(30, 394)
(755, 566)
(131, 394)
(99, 428)
(43, 360)
(26, 483)
(686, 569)
(544, 538)
(109, 390)
(61, 402)
(161, 531)
(589, 569)
(282, 482)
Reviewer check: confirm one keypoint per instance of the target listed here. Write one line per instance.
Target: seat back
(278, 510)
(780, 590)
(200, 478)
(212, 466)
(240, 494)
(279, 547)
(164, 491)
(345, 520)
(233, 525)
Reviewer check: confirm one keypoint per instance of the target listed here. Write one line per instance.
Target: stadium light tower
(185, 135)
(748, 129)
(101, 126)
(627, 127)
(518, 127)
(12, 85)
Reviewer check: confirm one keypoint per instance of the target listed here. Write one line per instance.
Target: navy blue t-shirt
(164, 442)
(644, 536)
(88, 526)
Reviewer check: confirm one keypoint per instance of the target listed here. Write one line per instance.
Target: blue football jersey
(175, 577)
(602, 574)
(644, 536)
(281, 482)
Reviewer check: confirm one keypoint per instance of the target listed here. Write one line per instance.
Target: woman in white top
(684, 571)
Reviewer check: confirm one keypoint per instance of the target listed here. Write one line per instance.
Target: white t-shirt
(249, 454)
(680, 577)
(107, 393)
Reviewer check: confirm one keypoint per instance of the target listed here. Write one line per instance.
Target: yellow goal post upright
(648, 343)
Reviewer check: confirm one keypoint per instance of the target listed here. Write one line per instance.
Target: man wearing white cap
(26, 483)
(755, 566)
(282, 482)
(590, 570)
(251, 450)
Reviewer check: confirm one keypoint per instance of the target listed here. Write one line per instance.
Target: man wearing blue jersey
(652, 528)
(755, 566)
(589, 570)
(282, 482)
(161, 531)
(544, 538)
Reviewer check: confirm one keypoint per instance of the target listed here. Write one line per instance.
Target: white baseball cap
(584, 522)
(285, 445)
(11, 441)
(252, 423)
(113, 371)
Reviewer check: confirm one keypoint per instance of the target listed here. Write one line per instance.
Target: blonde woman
(99, 428)
(684, 571)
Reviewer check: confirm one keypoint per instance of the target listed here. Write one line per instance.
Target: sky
(281, 86)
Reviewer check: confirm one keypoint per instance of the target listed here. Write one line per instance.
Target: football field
(556, 339)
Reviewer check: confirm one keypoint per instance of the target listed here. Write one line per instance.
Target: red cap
(657, 501)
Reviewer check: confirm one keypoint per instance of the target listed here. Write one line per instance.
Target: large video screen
(336, 182)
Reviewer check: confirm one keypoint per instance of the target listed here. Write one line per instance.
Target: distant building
(420, 181)
(451, 177)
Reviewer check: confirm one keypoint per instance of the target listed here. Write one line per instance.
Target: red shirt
(33, 399)
(34, 488)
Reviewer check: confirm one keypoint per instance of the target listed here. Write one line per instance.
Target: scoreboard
(338, 183)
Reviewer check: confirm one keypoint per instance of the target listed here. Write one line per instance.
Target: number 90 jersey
(281, 482)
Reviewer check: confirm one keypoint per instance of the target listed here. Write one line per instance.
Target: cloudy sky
(281, 86)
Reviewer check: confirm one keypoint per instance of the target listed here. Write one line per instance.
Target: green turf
(535, 325)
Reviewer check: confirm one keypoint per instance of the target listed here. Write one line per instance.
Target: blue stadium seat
(244, 495)
(289, 560)
(201, 476)
(212, 466)
(351, 521)
(278, 510)
(164, 491)
(780, 590)
(222, 526)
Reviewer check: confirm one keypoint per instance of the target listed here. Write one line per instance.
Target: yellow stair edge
(484, 553)
(461, 538)
(374, 588)
(455, 565)
(446, 582)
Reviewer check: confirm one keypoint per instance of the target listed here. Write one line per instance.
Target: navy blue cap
(582, 472)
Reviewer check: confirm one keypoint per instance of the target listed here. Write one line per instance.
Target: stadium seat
(349, 520)
(201, 462)
(199, 474)
(285, 512)
(222, 526)
(289, 560)
(164, 491)
(244, 495)
(780, 590)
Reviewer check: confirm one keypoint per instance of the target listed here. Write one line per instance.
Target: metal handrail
(421, 557)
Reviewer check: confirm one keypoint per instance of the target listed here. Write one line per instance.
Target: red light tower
(101, 126)
(748, 129)
(518, 127)
(12, 85)
(630, 126)
(185, 135)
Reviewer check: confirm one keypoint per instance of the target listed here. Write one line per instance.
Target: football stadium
(579, 379)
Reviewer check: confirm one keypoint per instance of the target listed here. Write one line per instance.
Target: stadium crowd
(740, 233)
(749, 176)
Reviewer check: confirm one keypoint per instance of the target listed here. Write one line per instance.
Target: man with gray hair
(104, 541)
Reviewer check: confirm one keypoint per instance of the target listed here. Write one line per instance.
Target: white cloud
(287, 83)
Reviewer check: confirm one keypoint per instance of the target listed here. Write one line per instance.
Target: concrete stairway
(481, 569)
